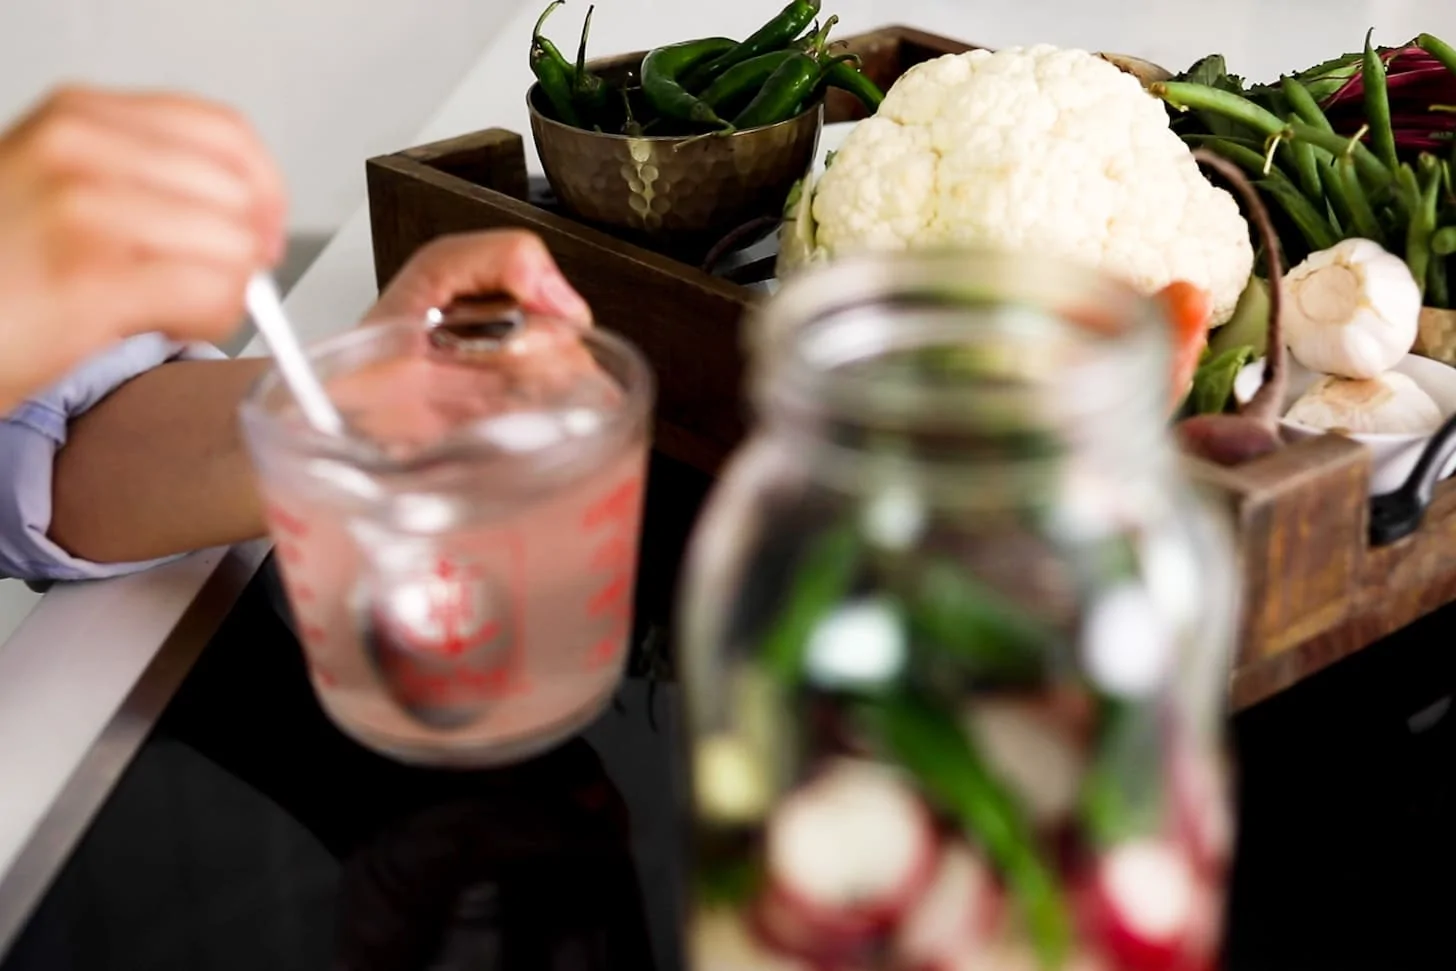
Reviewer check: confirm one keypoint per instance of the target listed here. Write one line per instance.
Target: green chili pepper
(1377, 104)
(553, 72)
(775, 35)
(856, 82)
(662, 72)
(590, 95)
(932, 747)
(742, 81)
(783, 95)
(816, 41)
(630, 126)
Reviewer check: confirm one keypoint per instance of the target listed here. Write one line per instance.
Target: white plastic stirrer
(266, 308)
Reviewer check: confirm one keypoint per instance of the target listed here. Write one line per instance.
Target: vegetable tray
(1315, 588)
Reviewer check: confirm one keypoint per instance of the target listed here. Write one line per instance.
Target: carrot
(1188, 309)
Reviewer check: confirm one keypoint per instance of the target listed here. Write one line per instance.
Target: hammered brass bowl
(671, 194)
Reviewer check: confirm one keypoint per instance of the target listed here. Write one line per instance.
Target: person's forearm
(159, 467)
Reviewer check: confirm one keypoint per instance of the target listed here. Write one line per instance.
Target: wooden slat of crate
(1313, 590)
(685, 320)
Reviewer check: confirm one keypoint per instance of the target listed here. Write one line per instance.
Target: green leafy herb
(1122, 793)
(823, 579)
(1249, 326)
(951, 611)
(729, 882)
(1213, 382)
(932, 747)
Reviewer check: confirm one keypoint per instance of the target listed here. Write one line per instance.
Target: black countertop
(249, 833)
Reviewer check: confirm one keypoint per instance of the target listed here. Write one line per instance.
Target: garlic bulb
(1351, 310)
(1388, 404)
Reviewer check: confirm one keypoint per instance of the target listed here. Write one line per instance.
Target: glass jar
(955, 634)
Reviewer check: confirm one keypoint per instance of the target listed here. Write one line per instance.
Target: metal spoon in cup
(265, 306)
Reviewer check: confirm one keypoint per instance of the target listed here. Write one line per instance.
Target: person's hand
(513, 262)
(122, 214)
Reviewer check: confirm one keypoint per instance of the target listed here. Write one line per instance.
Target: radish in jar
(719, 940)
(847, 856)
(1201, 810)
(1146, 907)
(1036, 756)
(955, 917)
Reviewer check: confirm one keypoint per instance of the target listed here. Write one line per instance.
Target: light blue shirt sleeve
(31, 435)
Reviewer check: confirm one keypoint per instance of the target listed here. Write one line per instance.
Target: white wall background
(328, 82)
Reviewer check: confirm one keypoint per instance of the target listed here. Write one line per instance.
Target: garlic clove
(1353, 310)
(1388, 404)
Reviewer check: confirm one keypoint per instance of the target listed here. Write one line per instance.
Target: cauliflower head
(1039, 149)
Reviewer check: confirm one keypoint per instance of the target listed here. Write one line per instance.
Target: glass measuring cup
(461, 564)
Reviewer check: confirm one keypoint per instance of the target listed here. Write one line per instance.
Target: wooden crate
(1314, 589)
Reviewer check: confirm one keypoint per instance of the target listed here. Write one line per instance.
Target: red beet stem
(1265, 405)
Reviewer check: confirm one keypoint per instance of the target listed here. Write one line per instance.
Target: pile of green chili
(1332, 156)
(712, 84)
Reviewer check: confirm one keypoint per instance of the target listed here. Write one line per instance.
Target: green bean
(931, 746)
(1438, 288)
(1185, 95)
(1377, 104)
(1438, 49)
(1312, 225)
(1337, 199)
(1443, 241)
(1370, 167)
(1306, 166)
(1422, 197)
(1345, 181)
(1239, 154)
(1304, 104)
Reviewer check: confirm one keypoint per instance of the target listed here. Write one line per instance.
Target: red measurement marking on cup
(453, 637)
(614, 559)
(609, 599)
(303, 593)
(289, 552)
(621, 503)
(613, 553)
(609, 648)
(322, 676)
(286, 522)
(312, 633)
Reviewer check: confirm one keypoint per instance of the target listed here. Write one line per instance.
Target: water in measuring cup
(488, 640)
